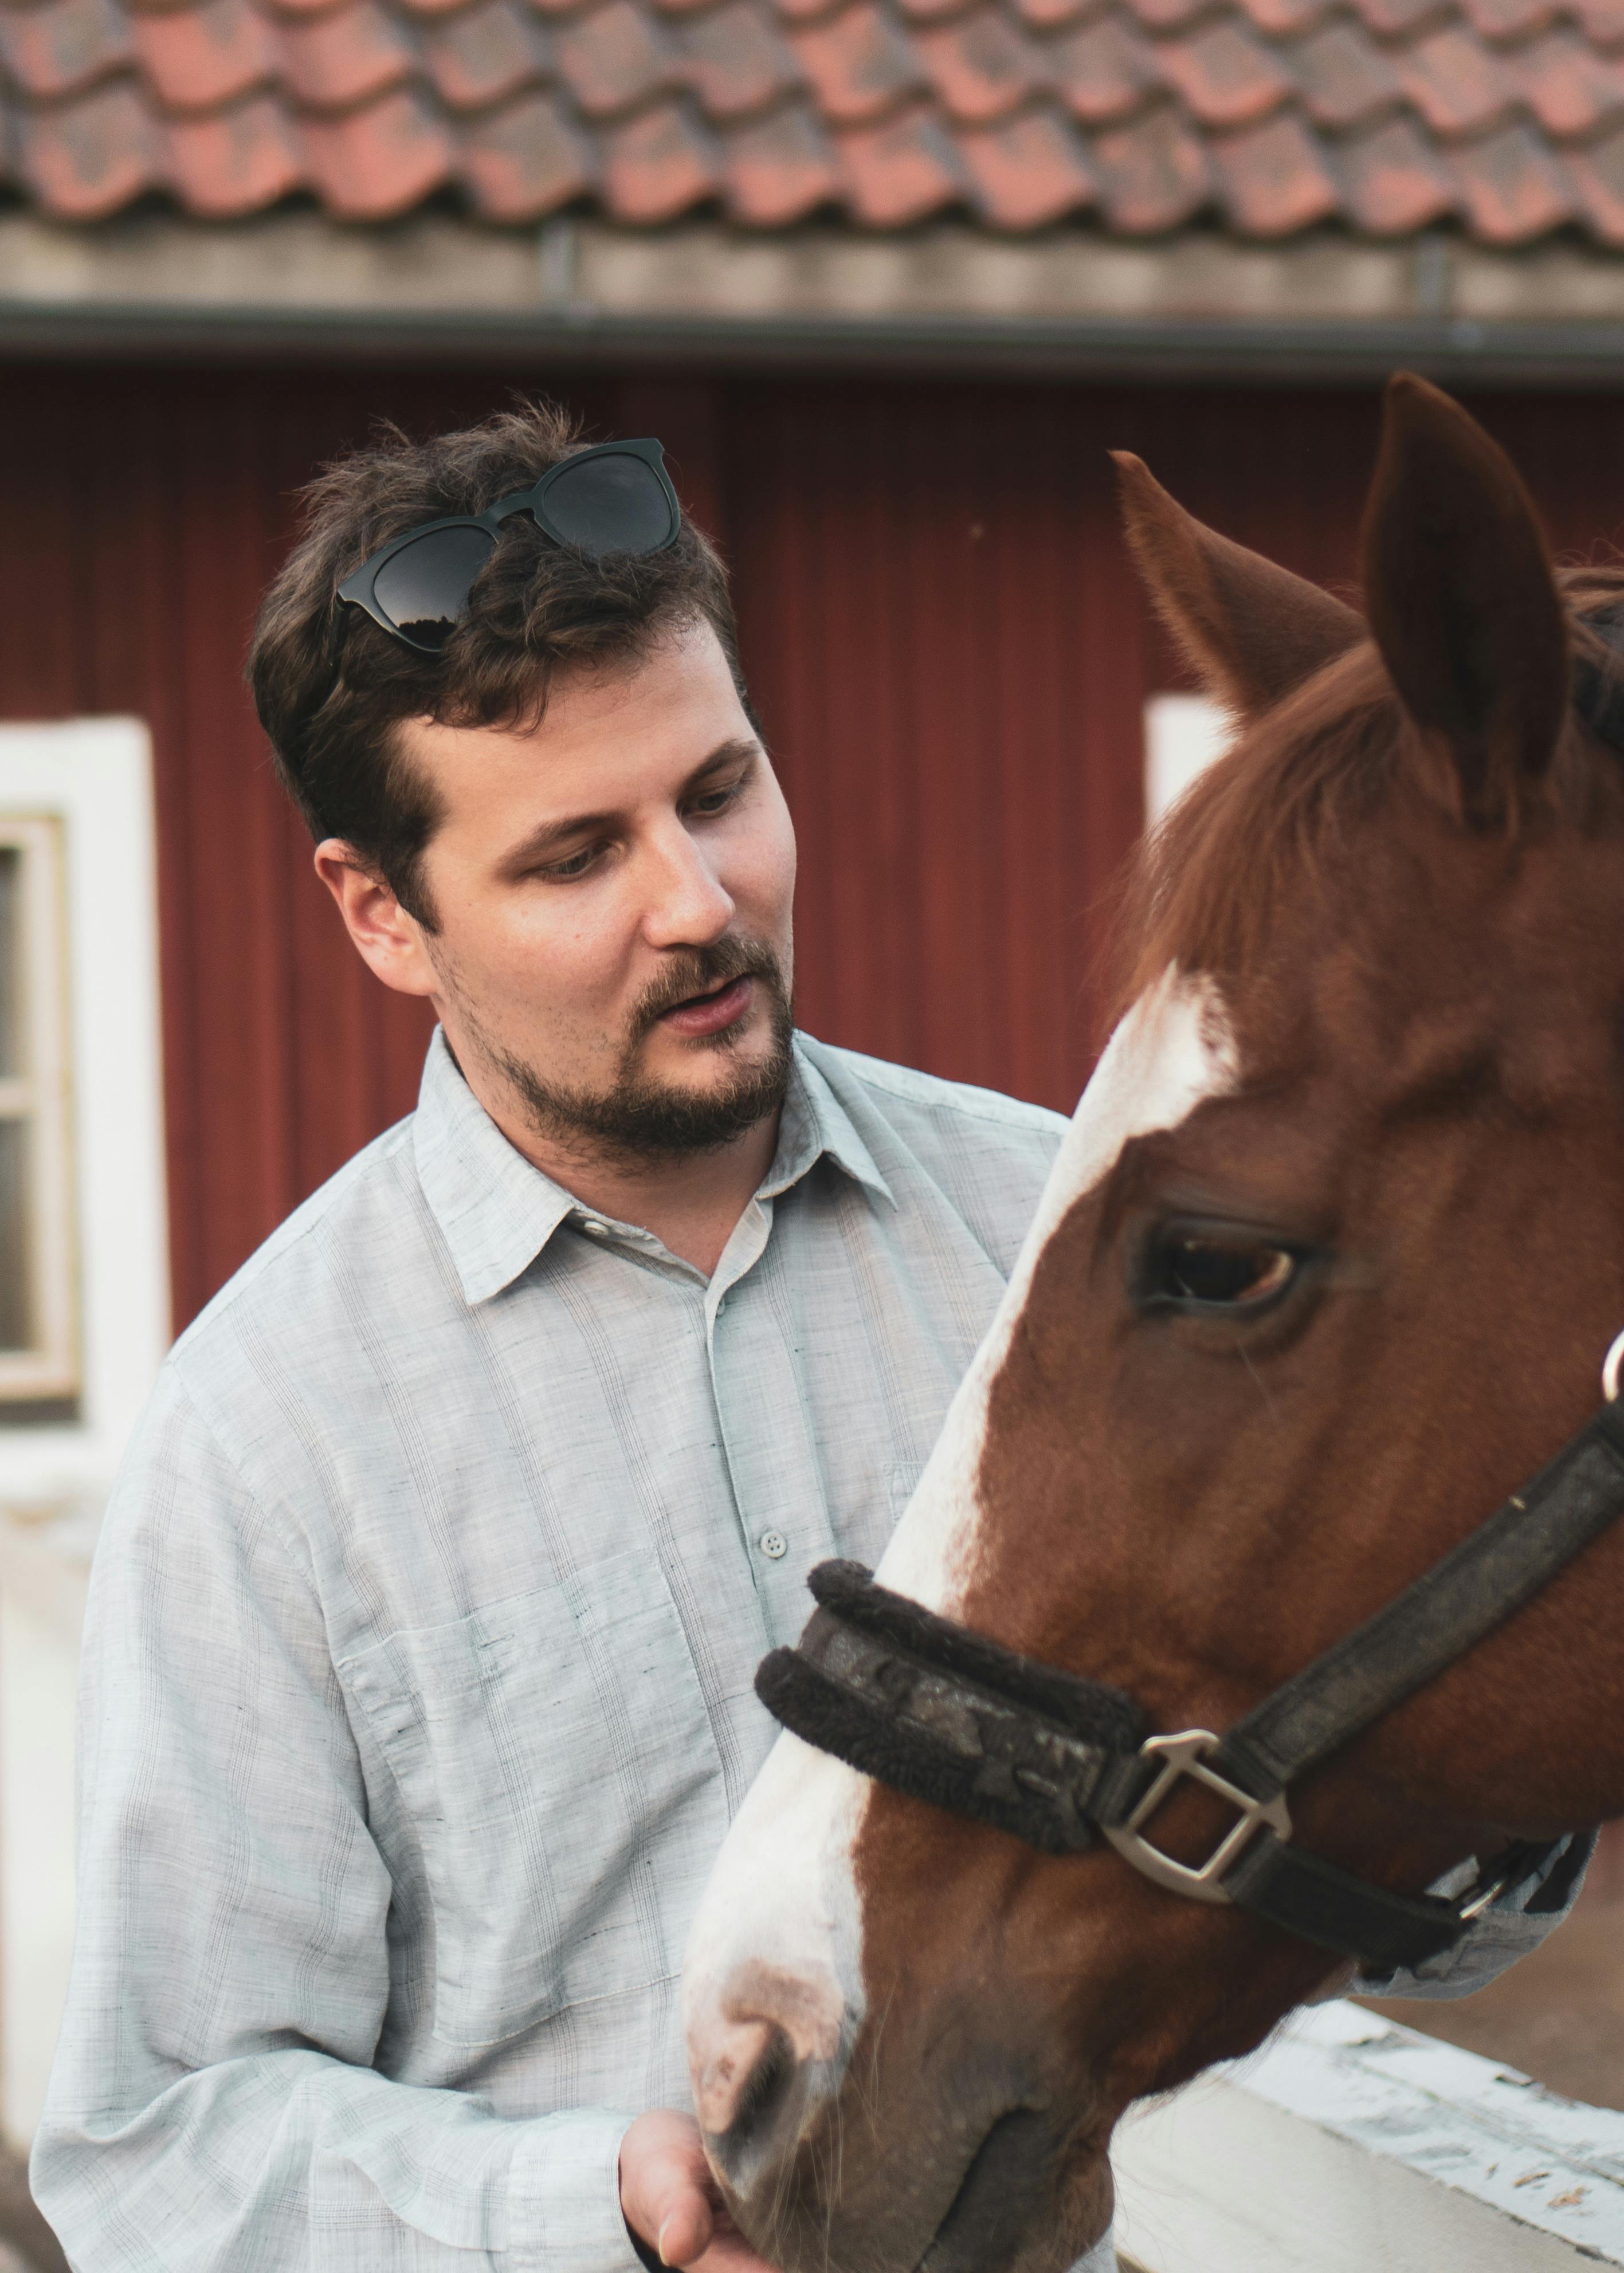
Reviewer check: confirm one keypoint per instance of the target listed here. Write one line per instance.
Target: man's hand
(670, 2199)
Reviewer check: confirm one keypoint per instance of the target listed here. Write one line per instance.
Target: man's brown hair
(331, 686)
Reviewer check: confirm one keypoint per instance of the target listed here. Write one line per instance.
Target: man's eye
(576, 864)
(1237, 1273)
(712, 801)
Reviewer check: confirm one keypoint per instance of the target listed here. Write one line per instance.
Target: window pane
(10, 960)
(16, 1327)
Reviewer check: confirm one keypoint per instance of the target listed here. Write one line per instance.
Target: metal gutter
(1323, 311)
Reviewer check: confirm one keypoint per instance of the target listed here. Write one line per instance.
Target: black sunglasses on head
(616, 498)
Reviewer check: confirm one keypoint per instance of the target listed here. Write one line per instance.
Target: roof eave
(1195, 305)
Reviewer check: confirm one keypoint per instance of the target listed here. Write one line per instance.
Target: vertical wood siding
(945, 644)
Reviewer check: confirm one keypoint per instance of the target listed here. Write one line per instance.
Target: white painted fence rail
(1348, 2145)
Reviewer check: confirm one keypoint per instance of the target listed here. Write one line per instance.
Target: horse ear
(1463, 603)
(1252, 630)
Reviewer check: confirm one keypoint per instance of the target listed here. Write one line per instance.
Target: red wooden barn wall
(944, 641)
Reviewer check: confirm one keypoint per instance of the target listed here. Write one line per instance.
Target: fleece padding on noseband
(947, 1716)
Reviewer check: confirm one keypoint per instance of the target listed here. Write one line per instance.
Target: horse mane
(1203, 887)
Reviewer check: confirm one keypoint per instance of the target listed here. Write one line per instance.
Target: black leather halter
(948, 1716)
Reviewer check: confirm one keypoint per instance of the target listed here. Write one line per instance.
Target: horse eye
(1236, 1274)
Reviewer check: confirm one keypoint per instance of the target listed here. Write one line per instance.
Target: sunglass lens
(424, 588)
(612, 504)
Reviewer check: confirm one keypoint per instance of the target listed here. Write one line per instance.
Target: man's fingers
(684, 2223)
(731, 2253)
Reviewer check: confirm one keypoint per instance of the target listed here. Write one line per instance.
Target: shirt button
(774, 1545)
(590, 1223)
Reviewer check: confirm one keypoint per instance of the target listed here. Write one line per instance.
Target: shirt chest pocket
(558, 1775)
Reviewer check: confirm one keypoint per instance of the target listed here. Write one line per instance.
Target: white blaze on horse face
(777, 1942)
(776, 1945)
(1172, 1051)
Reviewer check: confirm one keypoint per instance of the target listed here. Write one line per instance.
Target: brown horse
(1327, 1267)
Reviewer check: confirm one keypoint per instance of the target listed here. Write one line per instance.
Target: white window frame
(90, 780)
(1183, 733)
(37, 1097)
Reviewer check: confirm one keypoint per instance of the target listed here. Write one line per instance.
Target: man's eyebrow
(549, 835)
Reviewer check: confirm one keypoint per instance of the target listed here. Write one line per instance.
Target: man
(419, 1658)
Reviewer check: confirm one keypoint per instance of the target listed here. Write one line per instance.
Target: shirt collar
(497, 1212)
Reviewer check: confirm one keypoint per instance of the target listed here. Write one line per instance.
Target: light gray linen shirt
(419, 1660)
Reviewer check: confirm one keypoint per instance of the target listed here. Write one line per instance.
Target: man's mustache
(701, 971)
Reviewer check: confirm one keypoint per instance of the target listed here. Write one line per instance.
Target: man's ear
(1252, 630)
(387, 939)
(1463, 603)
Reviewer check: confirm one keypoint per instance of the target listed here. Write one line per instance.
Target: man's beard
(640, 1119)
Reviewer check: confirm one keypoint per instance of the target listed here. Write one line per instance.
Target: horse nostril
(763, 2048)
(763, 2096)
(751, 2113)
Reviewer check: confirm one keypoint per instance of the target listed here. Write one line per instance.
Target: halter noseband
(946, 1716)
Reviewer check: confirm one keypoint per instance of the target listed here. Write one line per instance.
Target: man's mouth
(711, 1013)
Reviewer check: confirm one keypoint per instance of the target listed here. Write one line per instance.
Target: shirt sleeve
(213, 2103)
(1517, 1921)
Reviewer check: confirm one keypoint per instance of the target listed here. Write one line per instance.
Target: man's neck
(690, 1205)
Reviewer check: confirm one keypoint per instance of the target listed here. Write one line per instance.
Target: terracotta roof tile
(1572, 91)
(659, 163)
(1597, 175)
(1393, 182)
(780, 167)
(1105, 70)
(1510, 187)
(1455, 82)
(1170, 15)
(932, 12)
(1282, 20)
(805, 12)
(735, 59)
(982, 65)
(1270, 116)
(1344, 76)
(1049, 15)
(526, 159)
(200, 58)
(1225, 75)
(1600, 20)
(332, 62)
(65, 45)
(1392, 20)
(381, 160)
(484, 54)
(1154, 174)
(614, 58)
(1273, 178)
(237, 161)
(1029, 170)
(85, 158)
(901, 170)
(861, 63)
(1508, 19)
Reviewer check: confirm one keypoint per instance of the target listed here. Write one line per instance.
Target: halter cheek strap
(1060, 1762)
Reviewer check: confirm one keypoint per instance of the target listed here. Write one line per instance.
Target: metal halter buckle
(1185, 1755)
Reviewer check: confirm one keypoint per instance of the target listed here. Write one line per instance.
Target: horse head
(1326, 1267)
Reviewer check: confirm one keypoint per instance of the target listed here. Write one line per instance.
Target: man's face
(613, 892)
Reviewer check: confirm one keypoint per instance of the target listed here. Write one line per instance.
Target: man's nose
(688, 906)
